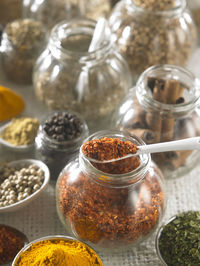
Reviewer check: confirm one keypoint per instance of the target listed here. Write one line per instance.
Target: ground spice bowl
(177, 240)
(17, 233)
(54, 238)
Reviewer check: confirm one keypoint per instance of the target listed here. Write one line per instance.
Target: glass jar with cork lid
(110, 205)
(51, 12)
(164, 107)
(153, 32)
(68, 77)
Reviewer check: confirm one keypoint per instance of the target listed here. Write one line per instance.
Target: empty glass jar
(50, 12)
(110, 211)
(153, 32)
(164, 107)
(68, 77)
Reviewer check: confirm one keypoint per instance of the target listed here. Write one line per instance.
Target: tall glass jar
(164, 107)
(56, 153)
(68, 77)
(51, 12)
(153, 32)
(110, 211)
(194, 6)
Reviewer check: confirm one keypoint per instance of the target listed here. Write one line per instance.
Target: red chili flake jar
(111, 210)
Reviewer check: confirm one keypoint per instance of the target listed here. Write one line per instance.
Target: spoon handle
(178, 145)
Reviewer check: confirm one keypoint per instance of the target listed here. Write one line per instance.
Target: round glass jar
(22, 43)
(194, 6)
(68, 77)
(110, 211)
(164, 107)
(56, 153)
(150, 32)
(51, 12)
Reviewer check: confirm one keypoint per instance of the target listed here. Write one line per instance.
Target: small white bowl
(24, 202)
(19, 148)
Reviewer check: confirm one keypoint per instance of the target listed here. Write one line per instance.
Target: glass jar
(164, 107)
(110, 211)
(56, 153)
(10, 10)
(22, 43)
(194, 6)
(51, 12)
(150, 33)
(68, 77)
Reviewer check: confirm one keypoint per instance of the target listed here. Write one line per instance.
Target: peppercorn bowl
(58, 250)
(21, 182)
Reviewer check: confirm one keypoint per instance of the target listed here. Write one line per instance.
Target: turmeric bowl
(57, 250)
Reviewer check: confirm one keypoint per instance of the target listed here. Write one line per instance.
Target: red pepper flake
(112, 148)
(10, 244)
(111, 216)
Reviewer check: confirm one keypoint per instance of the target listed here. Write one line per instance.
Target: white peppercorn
(20, 184)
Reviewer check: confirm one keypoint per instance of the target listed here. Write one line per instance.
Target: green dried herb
(179, 241)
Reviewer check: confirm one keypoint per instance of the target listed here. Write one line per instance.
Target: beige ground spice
(21, 131)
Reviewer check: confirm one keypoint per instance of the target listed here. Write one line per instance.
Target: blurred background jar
(51, 12)
(59, 138)
(22, 42)
(164, 106)
(153, 32)
(194, 6)
(111, 211)
(10, 10)
(68, 77)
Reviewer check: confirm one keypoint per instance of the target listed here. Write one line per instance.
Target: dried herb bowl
(178, 240)
(57, 250)
(22, 176)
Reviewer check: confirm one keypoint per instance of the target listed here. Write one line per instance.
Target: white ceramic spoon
(178, 145)
(97, 38)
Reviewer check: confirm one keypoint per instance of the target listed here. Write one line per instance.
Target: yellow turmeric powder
(58, 252)
(11, 104)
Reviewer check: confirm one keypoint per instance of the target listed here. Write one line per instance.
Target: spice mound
(111, 148)
(11, 104)
(59, 252)
(18, 183)
(178, 242)
(11, 241)
(156, 5)
(21, 131)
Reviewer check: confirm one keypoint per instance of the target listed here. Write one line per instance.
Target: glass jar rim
(73, 142)
(67, 27)
(178, 9)
(149, 101)
(126, 179)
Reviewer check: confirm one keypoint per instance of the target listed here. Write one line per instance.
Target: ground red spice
(112, 148)
(110, 216)
(10, 244)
